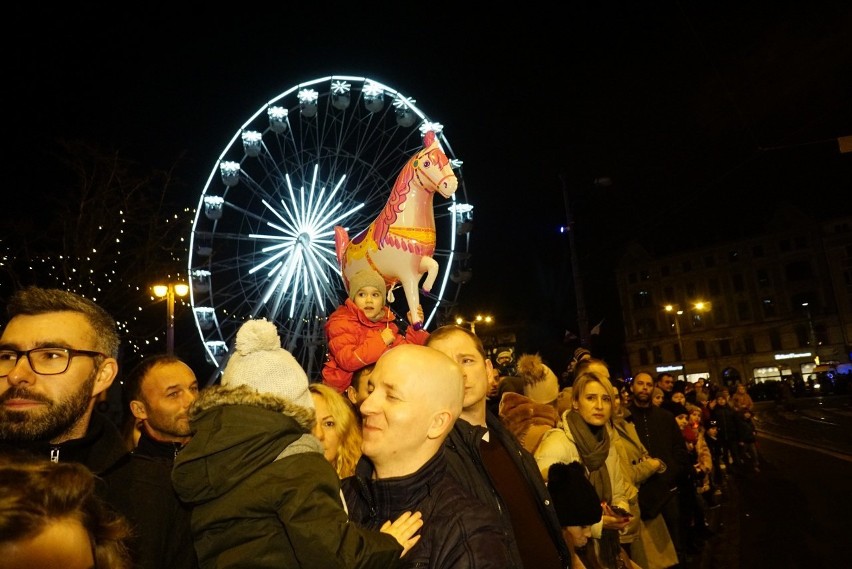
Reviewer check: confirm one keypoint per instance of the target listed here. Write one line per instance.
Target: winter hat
(540, 383)
(260, 362)
(581, 354)
(366, 277)
(574, 497)
(675, 408)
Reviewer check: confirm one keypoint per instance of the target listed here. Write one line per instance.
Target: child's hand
(388, 336)
(419, 315)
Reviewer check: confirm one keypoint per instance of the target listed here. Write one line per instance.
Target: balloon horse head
(400, 242)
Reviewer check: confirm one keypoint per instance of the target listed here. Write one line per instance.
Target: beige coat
(652, 546)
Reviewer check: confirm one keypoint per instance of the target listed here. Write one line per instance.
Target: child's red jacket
(355, 341)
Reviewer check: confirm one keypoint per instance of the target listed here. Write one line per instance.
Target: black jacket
(458, 533)
(658, 431)
(137, 487)
(466, 466)
(153, 448)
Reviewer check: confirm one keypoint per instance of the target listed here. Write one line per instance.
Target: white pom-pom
(257, 335)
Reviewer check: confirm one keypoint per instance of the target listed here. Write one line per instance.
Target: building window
(658, 355)
(690, 290)
(720, 314)
(676, 349)
(733, 256)
(768, 307)
(642, 299)
(645, 327)
(798, 271)
(643, 357)
(725, 347)
(775, 339)
(701, 349)
(802, 336)
(669, 293)
(743, 311)
(763, 277)
(713, 287)
(645, 275)
(748, 343)
(800, 300)
(697, 320)
(738, 282)
(821, 332)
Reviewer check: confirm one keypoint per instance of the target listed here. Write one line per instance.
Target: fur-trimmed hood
(526, 419)
(236, 434)
(218, 395)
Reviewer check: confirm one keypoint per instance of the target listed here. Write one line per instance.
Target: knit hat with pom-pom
(540, 383)
(260, 362)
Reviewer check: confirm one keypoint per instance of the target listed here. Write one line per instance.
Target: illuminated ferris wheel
(323, 153)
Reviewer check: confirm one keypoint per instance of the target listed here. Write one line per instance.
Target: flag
(597, 329)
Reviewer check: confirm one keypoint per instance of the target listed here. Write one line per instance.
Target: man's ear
(489, 367)
(138, 409)
(442, 422)
(105, 375)
(352, 394)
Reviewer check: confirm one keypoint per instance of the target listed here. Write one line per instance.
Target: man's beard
(173, 428)
(45, 424)
(642, 397)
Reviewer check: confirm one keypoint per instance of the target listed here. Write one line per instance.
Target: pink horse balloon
(400, 242)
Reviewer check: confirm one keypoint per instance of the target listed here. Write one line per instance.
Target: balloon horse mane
(400, 242)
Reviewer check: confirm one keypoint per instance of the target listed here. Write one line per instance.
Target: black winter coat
(659, 433)
(457, 533)
(466, 466)
(140, 488)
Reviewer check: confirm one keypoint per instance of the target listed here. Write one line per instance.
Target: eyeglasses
(43, 361)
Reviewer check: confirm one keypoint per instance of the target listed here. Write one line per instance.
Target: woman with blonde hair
(584, 436)
(337, 428)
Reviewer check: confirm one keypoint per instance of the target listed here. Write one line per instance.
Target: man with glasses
(58, 354)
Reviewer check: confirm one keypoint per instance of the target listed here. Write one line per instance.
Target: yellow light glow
(160, 290)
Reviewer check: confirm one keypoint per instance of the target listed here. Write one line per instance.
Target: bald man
(416, 396)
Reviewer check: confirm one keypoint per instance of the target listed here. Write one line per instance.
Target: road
(793, 513)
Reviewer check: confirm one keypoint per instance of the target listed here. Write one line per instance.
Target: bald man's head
(417, 394)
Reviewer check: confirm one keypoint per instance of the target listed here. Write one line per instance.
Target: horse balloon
(400, 242)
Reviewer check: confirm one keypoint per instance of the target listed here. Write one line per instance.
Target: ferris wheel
(323, 153)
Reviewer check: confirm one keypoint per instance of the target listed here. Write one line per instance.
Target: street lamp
(582, 315)
(169, 291)
(698, 306)
(480, 319)
(671, 309)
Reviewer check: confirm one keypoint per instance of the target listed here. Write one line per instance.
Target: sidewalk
(722, 550)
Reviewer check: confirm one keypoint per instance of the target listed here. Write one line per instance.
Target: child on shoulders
(362, 329)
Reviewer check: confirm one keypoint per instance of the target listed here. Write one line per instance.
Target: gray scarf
(593, 449)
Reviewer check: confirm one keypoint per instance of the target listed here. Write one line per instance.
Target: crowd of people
(413, 449)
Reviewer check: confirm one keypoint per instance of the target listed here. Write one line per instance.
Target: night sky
(702, 117)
